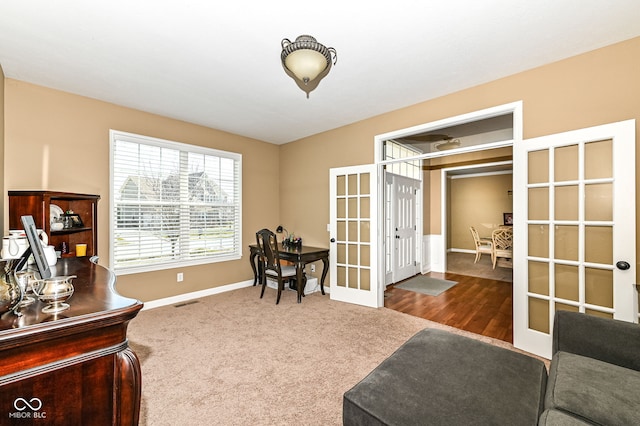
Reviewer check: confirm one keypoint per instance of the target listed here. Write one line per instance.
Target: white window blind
(173, 204)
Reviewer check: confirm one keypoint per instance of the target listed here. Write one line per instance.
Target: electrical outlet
(180, 277)
(313, 268)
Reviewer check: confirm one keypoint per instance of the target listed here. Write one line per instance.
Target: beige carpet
(235, 359)
(462, 263)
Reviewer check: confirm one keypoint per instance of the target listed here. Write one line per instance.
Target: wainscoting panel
(432, 253)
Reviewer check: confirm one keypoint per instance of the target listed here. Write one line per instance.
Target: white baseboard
(195, 295)
(457, 250)
(312, 286)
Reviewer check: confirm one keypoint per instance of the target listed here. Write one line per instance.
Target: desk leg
(325, 270)
(252, 260)
(299, 283)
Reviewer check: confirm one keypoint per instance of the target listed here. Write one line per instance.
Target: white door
(574, 230)
(404, 227)
(353, 233)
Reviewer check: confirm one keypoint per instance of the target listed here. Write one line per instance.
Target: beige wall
(480, 202)
(594, 88)
(59, 141)
(66, 137)
(433, 171)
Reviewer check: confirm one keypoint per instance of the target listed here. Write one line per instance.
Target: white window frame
(395, 150)
(184, 259)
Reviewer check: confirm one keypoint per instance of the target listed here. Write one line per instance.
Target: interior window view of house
(362, 214)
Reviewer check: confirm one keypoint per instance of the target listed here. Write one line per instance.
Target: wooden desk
(300, 257)
(73, 368)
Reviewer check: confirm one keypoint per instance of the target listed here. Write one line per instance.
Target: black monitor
(35, 247)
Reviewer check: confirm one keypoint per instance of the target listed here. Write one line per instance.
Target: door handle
(622, 265)
(333, 240)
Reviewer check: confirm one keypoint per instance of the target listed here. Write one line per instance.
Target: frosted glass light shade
(306, 64)
(306, 61)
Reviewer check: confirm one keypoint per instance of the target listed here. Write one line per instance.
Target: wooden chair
(502, 244)
(483, 245)
(269, 262)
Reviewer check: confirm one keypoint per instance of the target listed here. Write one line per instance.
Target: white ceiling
(218, 64)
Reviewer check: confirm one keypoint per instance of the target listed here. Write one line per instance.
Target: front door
(404, 226)
(353, 234)
(574, 230)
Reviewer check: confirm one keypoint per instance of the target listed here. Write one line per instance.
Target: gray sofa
(440, 378)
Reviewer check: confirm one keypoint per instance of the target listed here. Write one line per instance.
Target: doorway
(473, 144)
(481, 301)
(479, 197)
(469, 140)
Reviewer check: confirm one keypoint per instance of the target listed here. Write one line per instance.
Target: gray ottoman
(440, 378)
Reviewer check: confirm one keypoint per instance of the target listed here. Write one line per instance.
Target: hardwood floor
(479, 305)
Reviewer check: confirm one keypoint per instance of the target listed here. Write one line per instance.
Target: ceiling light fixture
(448, 144)
(307, 61)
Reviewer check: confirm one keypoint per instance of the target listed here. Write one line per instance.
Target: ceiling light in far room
(307, 61)
(448, 144)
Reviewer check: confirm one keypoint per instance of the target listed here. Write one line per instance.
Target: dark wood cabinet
(74, 367)
(38, 204)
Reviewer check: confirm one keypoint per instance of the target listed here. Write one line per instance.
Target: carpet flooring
(426, 285)
(462, 263)
(236, 359)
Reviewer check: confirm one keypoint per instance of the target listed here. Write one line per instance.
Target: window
(411, 169)
(172, 204)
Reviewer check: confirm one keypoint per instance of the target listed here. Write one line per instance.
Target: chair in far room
(483, 244)
(502, 244)
(270, 262)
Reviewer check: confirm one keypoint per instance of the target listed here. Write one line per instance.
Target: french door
(574, 230)
(353, 234)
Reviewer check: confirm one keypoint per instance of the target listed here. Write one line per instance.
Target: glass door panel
(566, 242)
(566, 163)
(538, 166)
(599, 244)
(599, 159)
(567, 282)
(539, 278)
(566, 203)
(539, 315)
(341, 229)
(538, 241)
(539, 203)
(599, 287)
(599, 202)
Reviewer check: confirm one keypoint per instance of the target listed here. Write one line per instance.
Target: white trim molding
(181, 298)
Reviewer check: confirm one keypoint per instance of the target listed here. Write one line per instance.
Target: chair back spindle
(502, 244)
(268, 245)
